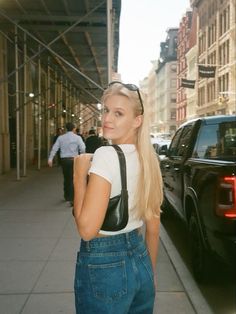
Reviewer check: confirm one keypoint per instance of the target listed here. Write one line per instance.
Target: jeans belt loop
(87, 246)
(128, 240)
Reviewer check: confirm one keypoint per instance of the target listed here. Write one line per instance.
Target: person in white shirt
(70, 145)
(115, 270)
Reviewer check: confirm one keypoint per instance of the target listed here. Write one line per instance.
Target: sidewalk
(38, 244)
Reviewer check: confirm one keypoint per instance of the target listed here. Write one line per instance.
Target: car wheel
(197, 250)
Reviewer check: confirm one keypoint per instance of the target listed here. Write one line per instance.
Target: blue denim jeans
(114, 275)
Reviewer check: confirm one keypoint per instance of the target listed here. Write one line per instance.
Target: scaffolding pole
(48, 111)
(17, 108)
(39, 113)
(25, 109)
(56, 100)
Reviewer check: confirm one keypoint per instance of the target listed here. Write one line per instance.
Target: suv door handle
(167, 166)
(176, 168)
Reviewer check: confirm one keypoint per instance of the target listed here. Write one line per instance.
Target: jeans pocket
(146, 261)
(108, 281)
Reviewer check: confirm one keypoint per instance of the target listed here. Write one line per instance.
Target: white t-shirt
(105, 163)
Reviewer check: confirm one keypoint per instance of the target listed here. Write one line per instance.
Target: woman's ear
(138, 121)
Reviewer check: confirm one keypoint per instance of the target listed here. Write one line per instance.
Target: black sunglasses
(131, 87)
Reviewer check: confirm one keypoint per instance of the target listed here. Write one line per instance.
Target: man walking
(92, 142)
(70, 145)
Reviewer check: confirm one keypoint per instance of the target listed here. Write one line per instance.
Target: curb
(194, 294)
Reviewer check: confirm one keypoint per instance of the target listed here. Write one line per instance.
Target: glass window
(173, 114)
(217, 141)
(180, 142)
(184, 140)
(174, 143)
(206, 143)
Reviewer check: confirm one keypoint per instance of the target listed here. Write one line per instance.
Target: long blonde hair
(149, 194)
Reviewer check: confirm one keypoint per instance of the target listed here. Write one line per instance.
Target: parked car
(161, 147)
(199, 176)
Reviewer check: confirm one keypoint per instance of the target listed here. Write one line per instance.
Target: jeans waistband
(124, 240)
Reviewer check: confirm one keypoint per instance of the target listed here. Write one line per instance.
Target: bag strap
(122, 162)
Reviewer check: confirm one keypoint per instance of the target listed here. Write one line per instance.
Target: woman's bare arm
(90, 200)
(152, 240)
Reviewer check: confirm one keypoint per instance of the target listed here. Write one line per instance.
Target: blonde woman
(115, 271)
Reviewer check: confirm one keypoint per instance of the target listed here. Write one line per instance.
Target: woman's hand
(82, 164)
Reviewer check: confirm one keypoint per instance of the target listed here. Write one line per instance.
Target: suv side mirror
(163, 150)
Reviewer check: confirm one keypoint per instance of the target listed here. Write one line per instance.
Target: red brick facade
(185, 41)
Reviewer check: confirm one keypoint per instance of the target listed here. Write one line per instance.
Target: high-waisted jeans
(114, 276)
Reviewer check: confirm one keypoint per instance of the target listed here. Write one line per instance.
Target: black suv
(199, 175)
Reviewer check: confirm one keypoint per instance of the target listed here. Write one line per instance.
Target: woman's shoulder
(104, 149)
(105, 152)
(109, 149)
(103, 162)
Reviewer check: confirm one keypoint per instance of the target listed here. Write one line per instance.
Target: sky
(143, 25)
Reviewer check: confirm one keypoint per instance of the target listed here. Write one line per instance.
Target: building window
(173, 98)
(211, 34)
(211, 91)
(224, 83)
(224, 20)
(201, 96)
(173, 114)
(203, 18)
(202, 43)
(224, 53)
(211, 59)
(173, 83)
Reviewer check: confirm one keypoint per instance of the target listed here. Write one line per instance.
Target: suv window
(184, 140)
(180, 142)
(173, 148)
(217, 141)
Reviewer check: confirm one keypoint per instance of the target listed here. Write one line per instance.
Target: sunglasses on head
(131, 87)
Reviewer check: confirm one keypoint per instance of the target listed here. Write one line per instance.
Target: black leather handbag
(117, 215)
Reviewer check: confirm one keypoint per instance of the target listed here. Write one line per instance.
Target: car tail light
(226, 204)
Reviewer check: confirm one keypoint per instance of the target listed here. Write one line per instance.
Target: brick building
(183, 45)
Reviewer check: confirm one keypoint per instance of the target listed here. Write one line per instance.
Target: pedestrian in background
(58, 133)
(78, 133)
(115, 270)
(70, 145)
(92, 142)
